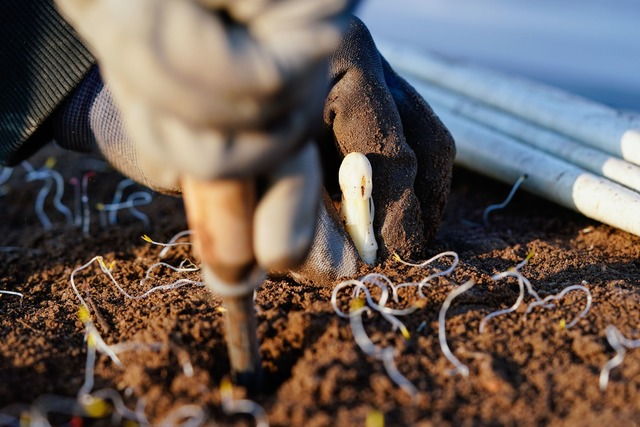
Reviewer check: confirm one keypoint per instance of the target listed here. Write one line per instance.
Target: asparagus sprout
(356, 184)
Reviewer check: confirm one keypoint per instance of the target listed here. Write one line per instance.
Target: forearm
(42, 62)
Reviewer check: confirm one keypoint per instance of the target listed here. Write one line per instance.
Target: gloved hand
(372, 110)
(218, 89)
(213, 88)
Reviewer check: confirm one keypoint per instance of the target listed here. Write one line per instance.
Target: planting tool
(221, 214)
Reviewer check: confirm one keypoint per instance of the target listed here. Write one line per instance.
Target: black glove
(372, 110)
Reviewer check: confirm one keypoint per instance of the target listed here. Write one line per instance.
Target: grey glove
(218, 89)
(212, 88)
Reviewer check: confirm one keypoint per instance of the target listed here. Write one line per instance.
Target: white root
(17, 294)
(386, 354)
(491, 208)
(460, 368)
(171, 243)
(546, 302)
(117, 198)
(426, 281)
(185, 416)
(511, 309)
(620, 344)
(107, 270)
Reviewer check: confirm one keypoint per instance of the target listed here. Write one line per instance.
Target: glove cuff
(72, 122)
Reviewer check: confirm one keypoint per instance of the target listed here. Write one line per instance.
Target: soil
(524, 371)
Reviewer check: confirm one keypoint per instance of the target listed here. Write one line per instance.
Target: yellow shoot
(147, 238)
(405, 332)
(357, 304)
(25, 419)
(105, 266)
(421, 303)
(83, 315)
(100, 206)
(529, 256)
(375, 418)
(50, 163)
(222, 310)
(101, 262)
(397, 257)
(91, 340)
(97, 408)
(226, 388)
(563, 324)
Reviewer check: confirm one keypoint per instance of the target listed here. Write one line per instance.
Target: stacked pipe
(578, 153)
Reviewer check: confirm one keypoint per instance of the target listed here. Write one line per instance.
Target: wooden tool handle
(221, 214)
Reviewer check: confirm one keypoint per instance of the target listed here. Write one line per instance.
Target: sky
(587, 47)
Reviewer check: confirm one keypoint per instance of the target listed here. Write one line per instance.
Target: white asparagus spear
(586, 121)
(591, 159)
(355, 177)
(501, 157)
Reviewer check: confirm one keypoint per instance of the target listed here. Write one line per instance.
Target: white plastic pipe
(502, 157)
(592, 123)
(589, 158)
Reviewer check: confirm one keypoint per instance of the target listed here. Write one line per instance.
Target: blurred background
(587, 47)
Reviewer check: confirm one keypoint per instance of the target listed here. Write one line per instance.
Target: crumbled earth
(525, 371)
